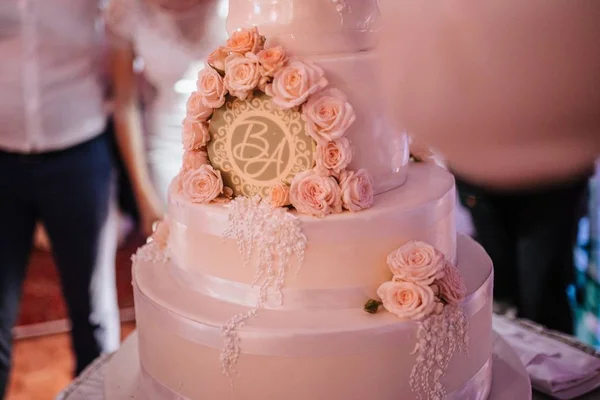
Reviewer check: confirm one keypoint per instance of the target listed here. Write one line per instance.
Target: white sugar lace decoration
(439, 337)
(150, 252)
(267, 238)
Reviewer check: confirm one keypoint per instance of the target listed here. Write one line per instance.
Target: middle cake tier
(345, 251)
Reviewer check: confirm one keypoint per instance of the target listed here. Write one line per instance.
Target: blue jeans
(71, 193)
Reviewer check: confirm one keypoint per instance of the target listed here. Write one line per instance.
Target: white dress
(170, 64)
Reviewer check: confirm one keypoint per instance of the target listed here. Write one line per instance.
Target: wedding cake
(303, 255)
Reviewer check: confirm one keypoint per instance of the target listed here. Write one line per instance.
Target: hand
(151, 210)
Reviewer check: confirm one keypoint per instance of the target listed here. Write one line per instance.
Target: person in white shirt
(56, 167)
(170, 40)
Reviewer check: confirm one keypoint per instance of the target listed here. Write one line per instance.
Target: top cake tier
(310, 27)
(339, 36)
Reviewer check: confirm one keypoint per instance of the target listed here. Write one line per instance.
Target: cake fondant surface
(297, 354)
(311, 27)
(345, 250)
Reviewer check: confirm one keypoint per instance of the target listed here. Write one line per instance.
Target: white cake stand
(511, 381)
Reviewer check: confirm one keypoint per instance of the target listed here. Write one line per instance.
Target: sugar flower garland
(239, 68)
(423, 282)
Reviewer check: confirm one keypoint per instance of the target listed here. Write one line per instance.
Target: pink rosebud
(211, 87)
(357, 190)
(313, 194)
(328, 115)
(294, 83)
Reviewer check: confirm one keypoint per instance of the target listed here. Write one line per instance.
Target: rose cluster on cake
(239, 68)
(423, 282)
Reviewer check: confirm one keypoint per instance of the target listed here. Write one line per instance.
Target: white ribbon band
(476, 388)
(299, 299)
(291, 299)
(307, 343)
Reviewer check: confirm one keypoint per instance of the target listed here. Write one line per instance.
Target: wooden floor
(42, 366)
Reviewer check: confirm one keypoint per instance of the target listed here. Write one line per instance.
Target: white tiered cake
(338, 284)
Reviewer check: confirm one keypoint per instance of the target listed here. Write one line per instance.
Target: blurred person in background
(56, 168)
(509, 92)
(170, 40)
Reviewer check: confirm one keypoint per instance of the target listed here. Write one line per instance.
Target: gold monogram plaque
(255, 145)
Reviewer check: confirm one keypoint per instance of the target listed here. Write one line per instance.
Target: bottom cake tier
(302, 354)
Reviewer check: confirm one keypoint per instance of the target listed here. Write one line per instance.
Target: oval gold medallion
(255, 145)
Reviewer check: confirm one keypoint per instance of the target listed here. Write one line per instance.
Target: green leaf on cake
(372, 306)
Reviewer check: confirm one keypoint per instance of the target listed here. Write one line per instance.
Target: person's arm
(129, 135)
(507, 90)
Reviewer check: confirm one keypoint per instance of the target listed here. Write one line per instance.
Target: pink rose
(280, 195)
(328, 115)
(272, 60)
(357, 190)
(195, 134)
(194, 159)
(216, 59)
(160, 236)
(317, 195)
(294, 83)
(202, 185)
(211, 88)
(242, 74)
(334, 156)
(417, 262)
(245, 41)
(452, 287)
(196, 110)
(408, 301)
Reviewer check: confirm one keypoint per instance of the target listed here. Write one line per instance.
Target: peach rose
(242, 74)
(334, 156)
(196, 110)
(408, 301)
(452, 287)
(216, 59)
(272, 60)
(280, 195)
(194, 159)
(160, 236)
(245, 41)
(328, 115)
(417, 262)
(211, 87)
(357, 190)
(195, 134)
(202, 185)
(313, 194)
(294, 83)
